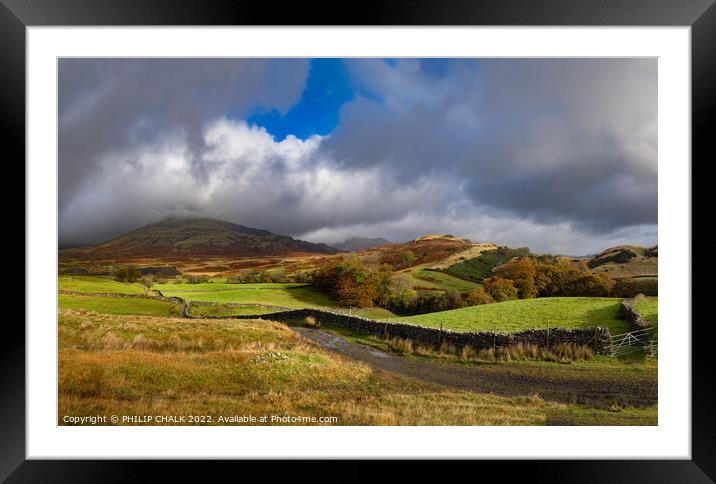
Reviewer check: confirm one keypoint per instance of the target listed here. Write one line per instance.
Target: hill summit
(197, 237)
(360, 243)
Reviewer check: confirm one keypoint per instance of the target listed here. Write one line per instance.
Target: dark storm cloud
(556, 140)
(556, 154)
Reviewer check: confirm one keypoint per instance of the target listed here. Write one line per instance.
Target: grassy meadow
(136, 365)
(288, 297)
(97, 285)
(221, 285)
(118, 305)
(226, 310)
(136, 356)
(649, 308)
(434, 280)
(521, 314)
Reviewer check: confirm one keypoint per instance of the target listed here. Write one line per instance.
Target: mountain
(196, 237)
(360, 243)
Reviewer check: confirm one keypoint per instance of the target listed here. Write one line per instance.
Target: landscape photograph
(357, 241)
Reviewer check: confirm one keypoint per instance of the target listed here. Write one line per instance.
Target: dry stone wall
(627, 309)
(596, 337)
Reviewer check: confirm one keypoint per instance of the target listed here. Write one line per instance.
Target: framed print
(418, 233)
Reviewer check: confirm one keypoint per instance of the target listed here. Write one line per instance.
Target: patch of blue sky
(317, 112)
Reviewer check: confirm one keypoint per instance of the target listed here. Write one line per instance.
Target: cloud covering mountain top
(556, 154)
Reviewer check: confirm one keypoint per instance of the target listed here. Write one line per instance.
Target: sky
(559, 155)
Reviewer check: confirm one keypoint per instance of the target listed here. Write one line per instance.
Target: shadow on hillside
(312, 297)
(607, 316)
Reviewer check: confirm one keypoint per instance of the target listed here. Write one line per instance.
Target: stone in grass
(270, 357)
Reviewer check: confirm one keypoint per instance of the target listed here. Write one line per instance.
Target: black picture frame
(700, 15)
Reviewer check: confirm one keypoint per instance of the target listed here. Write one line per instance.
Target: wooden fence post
(595, 340)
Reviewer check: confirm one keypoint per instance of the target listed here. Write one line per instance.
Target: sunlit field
(521, 314)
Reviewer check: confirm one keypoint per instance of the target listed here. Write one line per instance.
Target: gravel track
(567, 384)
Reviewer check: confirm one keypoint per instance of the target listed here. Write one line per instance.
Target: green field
(97, 284)
(222, 286)
(649, 308)
(294, 298)
(223, 310)
(441, 281)
(118, 305)
(518, 315)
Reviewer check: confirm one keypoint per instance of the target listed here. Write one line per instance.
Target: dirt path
(591, 386)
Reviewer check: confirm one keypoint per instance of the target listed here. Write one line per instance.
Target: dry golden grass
(128, 365)
(560, 353)
(311, 322)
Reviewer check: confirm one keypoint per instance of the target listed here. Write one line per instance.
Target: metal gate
(639, 340)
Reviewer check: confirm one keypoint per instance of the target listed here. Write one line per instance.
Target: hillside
(196, 237)
(428, 249)
(481, 263)
(361, 243)
(626, 261)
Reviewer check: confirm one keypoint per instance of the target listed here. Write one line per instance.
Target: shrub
(400, 294)
(126, 274)
(148, 281)
(311, 322)
(406, 257)
(197, 279)
(403, 346)
(301, 276)
(478, 296)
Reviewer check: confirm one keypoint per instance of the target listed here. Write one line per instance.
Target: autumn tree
(560, 278)
(624, 287)
(500, 289)
(400, 295)
(521, 271)
(478, 296)
(351, 281)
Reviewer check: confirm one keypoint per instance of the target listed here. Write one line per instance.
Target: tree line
(360, 283)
